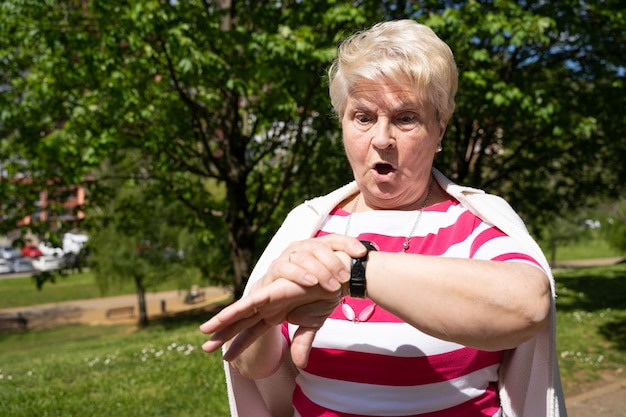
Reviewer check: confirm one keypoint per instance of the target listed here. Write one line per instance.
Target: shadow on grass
(615, 331)
(596, 289)
(187, 318)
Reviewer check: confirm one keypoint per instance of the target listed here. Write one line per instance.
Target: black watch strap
(358, 285)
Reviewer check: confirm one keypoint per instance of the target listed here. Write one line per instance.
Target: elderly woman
(401, 294)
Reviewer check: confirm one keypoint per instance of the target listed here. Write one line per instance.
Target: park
(114, 367)
(178, 135)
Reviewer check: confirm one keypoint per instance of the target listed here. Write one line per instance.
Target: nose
(382, 134)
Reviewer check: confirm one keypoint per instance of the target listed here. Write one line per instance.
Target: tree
(614, 225)
(137, 239)
(565, 230)
(539, 83)
(222, 96)
(223, 105)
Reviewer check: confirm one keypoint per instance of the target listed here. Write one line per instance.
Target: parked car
(47, 263)
(5, 266)
(9, 252)
(31, 251)
(23, 265)
(47, 249)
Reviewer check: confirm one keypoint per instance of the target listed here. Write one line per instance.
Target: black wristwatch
(358, 287)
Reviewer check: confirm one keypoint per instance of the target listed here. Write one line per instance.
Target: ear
(442, 129)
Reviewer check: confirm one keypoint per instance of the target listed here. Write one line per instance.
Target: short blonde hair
(401, 50)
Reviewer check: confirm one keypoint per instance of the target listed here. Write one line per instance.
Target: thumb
(302, 344)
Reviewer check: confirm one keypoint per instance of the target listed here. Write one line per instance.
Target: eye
(362, 118)
(407, 119)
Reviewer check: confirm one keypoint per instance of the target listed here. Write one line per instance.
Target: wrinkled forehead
(385, 92)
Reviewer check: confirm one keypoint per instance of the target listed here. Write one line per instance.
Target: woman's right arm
(250, 329)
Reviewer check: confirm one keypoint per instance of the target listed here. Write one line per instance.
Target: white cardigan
(529, 383)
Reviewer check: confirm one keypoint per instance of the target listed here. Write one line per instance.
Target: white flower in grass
(93, 362)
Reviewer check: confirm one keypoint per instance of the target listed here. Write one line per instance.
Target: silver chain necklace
(367, 312)
(407, 241)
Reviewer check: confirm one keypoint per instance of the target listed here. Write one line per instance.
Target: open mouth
(383, 169)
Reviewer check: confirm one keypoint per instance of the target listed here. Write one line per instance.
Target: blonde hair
(401, 50)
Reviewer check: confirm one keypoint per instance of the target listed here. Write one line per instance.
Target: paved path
(590, 262)
(94, 311)
(608, 400)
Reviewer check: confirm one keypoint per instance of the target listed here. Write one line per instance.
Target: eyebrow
(361, 105)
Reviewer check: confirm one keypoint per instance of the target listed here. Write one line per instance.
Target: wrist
(357, 285)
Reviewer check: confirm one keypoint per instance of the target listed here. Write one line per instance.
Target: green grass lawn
(591, 323)
(111, 371)
(18, 292)
(592, 247)
(161, 370)
(586, 250)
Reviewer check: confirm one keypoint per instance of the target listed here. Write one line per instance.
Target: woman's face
(390, 138)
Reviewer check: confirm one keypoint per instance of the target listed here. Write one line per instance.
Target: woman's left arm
(489, 305)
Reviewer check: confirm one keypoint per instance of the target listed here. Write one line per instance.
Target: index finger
(347, 244)
(240, 309)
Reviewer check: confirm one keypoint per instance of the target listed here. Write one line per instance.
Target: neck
(359, 202)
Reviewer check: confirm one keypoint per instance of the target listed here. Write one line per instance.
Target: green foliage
(193, 93)
(535, 119)
(614, 225)
(196, 98)
(136, 238)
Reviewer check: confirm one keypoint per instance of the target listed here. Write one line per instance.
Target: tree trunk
(141, 302)
(241, 256)
(241, 239)
(552, 250)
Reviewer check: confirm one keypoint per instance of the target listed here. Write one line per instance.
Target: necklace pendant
(348, 312)
(405, 246)
(366, 313)
(350, 315)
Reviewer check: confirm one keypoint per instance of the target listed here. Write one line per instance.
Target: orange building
(58, 204)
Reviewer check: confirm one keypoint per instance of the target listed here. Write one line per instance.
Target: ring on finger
(254, 310)
(290, 255)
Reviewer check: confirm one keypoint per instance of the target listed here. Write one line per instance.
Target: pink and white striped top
(384, 366)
